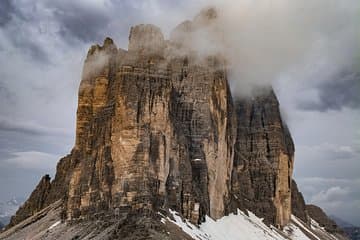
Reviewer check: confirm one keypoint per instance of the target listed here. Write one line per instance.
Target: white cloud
(331, 195)
(33, 160)
(333, 152)
(337, 196)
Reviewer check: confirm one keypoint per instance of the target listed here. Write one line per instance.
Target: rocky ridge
(320, 216)
(158, 128)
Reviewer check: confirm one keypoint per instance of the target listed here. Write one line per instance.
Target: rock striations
(158, 128)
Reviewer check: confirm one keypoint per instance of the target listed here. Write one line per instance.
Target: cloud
(331, 152)
(261, 46)
(6, 96)
(19, 31)
(337, 196)
(31, 128)
(6, 10)
(32, 160)
(330, 160)
(331, 195)
(342, 91)
(33, 49)
(83, 20)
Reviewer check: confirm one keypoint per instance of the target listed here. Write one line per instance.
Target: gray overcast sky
(43, 44)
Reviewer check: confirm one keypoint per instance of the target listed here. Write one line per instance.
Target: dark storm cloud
(79, 21)
(33, 49)
(15, 24)
(28, 46)
(84, 26)
(341, 92)
(7, 9)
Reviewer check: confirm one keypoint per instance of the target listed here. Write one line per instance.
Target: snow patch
(299, 223)
(235, 226)
(295, 233)
(242, 227)
(189, 228)
(315, 226)
(54, 225)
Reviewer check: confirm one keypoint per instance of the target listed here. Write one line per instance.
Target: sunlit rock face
(158, 128)
(153, 132)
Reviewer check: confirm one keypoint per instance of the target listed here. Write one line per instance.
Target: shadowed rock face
(157, 129)
(298, 206)
(263, 161)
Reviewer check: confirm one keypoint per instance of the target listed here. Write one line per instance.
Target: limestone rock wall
(157, 128)
(263, 161)
(152, 132)
(146, 39)
(298, 206)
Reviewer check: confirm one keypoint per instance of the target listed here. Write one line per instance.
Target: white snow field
(242, 227)
(47, 224)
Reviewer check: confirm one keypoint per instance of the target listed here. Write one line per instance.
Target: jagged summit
(206, 15)
(146, 38)
(107, 44)
(157, 129)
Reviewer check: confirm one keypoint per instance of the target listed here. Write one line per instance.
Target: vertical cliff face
(164, 132)
(152, 132)
(157, 128)
(263, 161)
(298, 206)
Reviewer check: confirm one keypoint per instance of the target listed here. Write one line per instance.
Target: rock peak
(108, 42)
(108, 46)
(207, 15)
(146, 38)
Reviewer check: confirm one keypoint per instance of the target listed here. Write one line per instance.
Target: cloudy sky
(43, 44)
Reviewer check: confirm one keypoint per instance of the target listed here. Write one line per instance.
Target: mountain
(350, 230)
(320, 216)
(340, 222)
(162, 146)
(8, 209)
